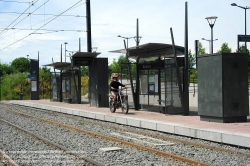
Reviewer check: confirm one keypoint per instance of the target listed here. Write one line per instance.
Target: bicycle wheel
(125, 105)
(112, 108)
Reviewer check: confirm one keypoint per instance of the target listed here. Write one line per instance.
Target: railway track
(126, 138)
(62, 153)
(6, 160)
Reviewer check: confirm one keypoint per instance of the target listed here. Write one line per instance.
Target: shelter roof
(85, 54)
(60, 65)
(67, 65)
(151, 50)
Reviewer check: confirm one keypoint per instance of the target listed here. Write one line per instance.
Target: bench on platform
(163, 104)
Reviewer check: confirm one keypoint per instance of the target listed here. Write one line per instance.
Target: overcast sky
(109, 19)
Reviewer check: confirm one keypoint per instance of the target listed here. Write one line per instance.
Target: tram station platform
(237, 134)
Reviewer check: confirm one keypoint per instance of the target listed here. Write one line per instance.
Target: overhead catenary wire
(41, 26)
(29, 14)
(19, 16)
(47, 29)
(29, 27)
(13, 1)
(41, 21)
(26, 27)
(42, 14)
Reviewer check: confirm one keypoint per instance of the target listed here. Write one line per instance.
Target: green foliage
(242, 50)
(191, 59)
(21, 65)
(5, 69)
(13, 85)
(115, 67)
(201, 50)
(84, 70)
(84, 85)
(122, 66)
(193, 75)
(224, 49)
(44, 86)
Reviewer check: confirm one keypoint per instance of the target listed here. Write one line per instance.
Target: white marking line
(110, 149)
(150, 143)
(155, 139)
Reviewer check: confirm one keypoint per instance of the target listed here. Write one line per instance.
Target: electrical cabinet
(223, 87)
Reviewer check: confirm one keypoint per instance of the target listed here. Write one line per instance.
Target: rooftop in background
(67, 65)
(151, 50)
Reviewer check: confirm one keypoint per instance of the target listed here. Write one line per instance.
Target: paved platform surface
(230, 133)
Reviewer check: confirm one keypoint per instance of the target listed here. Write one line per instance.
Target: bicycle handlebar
(122, 88)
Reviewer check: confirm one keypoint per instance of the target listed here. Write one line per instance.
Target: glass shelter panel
(153, 87)
(149, 87)
(173, 96)
(143, 77)
(69, 86)
(55, 86)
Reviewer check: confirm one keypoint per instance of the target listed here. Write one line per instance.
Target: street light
(65, 50)
(209, 43)
(130, 38)
(234, 4)
(211, 22)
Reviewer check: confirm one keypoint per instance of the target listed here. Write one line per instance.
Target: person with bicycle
(114, 85)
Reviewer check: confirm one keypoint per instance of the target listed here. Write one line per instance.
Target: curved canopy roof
(151, 50)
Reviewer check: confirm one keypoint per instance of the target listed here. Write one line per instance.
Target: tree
(115, 67)
(44, 79)
(84, 85)
(5, 69)
(242, 50)
(122, 66)
(84, 70)
(201, 50)
(191, 59)
(14, 84)
(224, 49)
(21, 65)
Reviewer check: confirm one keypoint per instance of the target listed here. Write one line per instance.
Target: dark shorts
(113, 92)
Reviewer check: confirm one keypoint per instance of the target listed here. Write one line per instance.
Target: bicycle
(121, 102)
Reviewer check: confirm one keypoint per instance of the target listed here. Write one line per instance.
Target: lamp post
(65, 50)
(211, 22)
(245, 8)
(130, 38)
(209, 43)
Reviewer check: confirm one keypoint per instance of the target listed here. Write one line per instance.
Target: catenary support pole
(88, 24)
(186, 80)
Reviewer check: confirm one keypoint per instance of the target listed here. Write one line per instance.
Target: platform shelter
(158, 78)
(66, 84)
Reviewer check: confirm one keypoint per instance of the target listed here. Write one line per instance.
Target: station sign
(243, 38)
(81, 61)
(151, 65)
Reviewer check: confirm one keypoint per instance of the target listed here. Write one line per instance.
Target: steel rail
(94, 134)
(165, 138)
(9, 160)
(54, 144)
